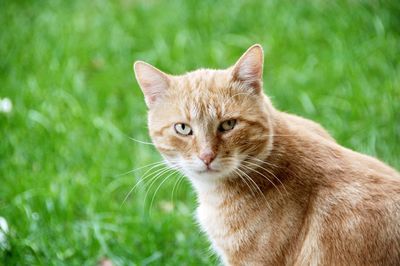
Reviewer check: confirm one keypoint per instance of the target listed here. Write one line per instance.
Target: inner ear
(153, 82)
(249, 68)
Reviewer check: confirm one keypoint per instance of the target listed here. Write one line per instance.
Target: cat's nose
(207, 157)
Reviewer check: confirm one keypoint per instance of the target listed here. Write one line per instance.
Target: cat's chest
(230, 227)
(212, 220)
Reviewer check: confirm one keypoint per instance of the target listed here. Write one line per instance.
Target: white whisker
(146, 175)
(270, 172)
(159, 186)
(261, 161)
(238, 171)
(154, 180)
(141, 141)
(269, 180)
(176, 186)
(137, 169)
(141, 180)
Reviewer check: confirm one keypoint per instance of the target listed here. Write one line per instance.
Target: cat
(273, 188)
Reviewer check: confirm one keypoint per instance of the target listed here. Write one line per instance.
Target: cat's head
(207, 122)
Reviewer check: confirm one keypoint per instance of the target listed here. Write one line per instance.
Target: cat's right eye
(183, 129)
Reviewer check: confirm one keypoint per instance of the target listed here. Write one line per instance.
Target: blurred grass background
(67, 68)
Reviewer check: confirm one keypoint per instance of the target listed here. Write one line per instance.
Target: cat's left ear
(249, 68)
(152, 81)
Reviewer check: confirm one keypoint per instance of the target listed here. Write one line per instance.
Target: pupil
(183, 126)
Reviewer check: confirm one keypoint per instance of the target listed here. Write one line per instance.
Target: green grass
(67, 68)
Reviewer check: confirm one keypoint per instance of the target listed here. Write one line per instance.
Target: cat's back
(354, 208)
(354, 214)
(315, 141)
(356, 221)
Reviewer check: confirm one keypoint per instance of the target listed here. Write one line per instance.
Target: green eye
(227, 125)
(183, 129)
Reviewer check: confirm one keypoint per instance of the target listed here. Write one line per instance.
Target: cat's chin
(210, 176)
(208, 171)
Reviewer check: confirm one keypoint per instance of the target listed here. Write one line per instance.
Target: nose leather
(207, 156)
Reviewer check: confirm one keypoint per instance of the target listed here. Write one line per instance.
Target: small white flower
(5, 105)
(3, 233)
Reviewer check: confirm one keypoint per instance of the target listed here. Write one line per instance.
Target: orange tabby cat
(273, 188)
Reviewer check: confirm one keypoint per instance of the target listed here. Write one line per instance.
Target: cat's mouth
(208, 170)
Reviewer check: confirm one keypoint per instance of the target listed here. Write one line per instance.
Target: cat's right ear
(152, 81)
(248, 70)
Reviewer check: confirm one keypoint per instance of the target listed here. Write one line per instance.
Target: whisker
(262, 161)
(176, 186)
(158, 174)
(141, 180)
(141, 142)
(254, 170)
(247, 184)
(262, 194)
(245, 181)
(252, 181)
(251, 190)
(270, 172)
(154, 180)
(238, 171)
(159, 186)
(137, 169)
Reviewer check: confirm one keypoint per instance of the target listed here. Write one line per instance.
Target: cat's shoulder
(299, 123)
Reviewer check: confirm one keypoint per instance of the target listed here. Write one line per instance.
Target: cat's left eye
(227, 125)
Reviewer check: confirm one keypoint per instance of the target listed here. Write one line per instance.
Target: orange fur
(280, 190)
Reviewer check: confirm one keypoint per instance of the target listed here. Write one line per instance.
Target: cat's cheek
(181, 145)
(175, 162)
(250, 141)
(178, 142)
(171, 162)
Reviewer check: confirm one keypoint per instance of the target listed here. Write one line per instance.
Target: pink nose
(207, 157)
